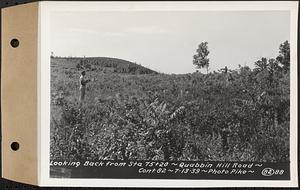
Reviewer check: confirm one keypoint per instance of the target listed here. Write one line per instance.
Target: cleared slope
(105, 64)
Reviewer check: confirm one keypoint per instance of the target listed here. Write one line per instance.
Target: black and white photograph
(197, 94)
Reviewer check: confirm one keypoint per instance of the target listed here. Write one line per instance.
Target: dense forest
(134, 113)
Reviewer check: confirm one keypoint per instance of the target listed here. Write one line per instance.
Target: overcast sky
(166, 41)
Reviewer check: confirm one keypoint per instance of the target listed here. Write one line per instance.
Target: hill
(105, 64)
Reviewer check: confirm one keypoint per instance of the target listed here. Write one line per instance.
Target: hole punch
(15, 146)
(14, 43)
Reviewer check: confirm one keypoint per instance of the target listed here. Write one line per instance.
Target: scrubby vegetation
(138, 114)
(102, 64)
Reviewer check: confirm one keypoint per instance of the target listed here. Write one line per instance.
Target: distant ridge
(106, 64)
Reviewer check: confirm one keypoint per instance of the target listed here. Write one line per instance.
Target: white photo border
(46, 7)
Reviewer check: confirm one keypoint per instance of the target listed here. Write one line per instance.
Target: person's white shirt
(82, 82)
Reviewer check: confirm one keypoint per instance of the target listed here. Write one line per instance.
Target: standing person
(82, 88)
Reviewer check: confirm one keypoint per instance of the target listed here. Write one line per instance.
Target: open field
(133, 113)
